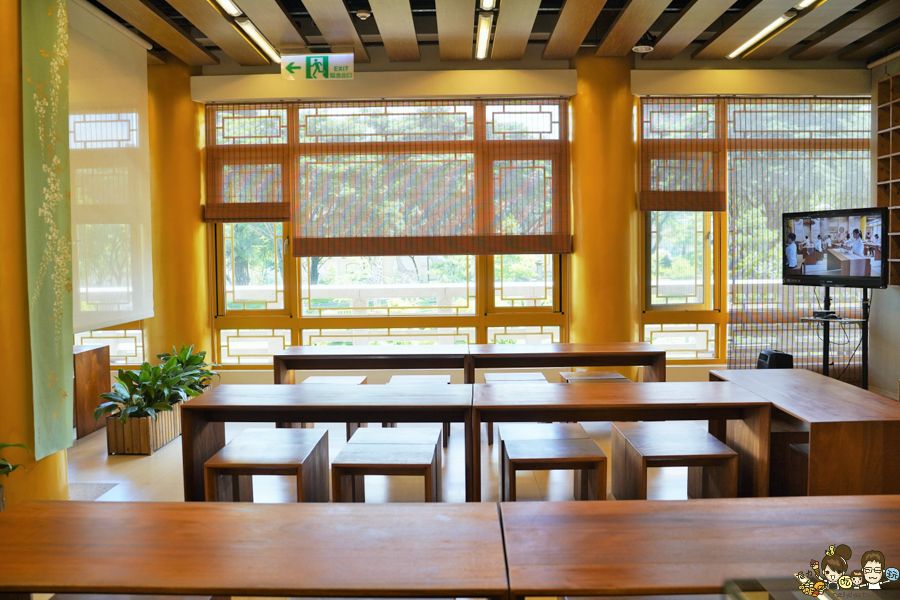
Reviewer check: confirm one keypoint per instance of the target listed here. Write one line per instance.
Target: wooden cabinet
(888, 161)
(91, 380)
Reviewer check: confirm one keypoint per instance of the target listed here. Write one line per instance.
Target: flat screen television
(835, 248)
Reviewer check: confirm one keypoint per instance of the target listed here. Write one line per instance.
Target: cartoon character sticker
(831, 572)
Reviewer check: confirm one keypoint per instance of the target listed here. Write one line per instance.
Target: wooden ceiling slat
(333, 20)
(575, 21)
(872, 44)
(632, 23)
(150, 21)
(274, 22)
(849, 29)
(694, 19)
(456, 28)
(802, 27)
(749, 22)
(206, 16)
(398, 33)
(514, 24)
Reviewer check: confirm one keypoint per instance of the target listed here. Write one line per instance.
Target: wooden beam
(456, 28)
(632, 23)
(274, 22)
(514, 24)
(155, 58)
(693, 20)
(206, 16)
(333, 20)
(575, 21)
(748, 23)
(398, 33)
(872, 44)
(801, 27)
(849, 29)
(150, 21)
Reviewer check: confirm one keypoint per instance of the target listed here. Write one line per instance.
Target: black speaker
(773, 359)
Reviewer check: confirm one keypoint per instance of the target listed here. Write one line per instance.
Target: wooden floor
(158, 478)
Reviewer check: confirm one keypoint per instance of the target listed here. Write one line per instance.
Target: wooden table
(854, 434)
(367, 357)
(204, 417)
(285, 550)
(683, 547)
(613, 354)
(746, 413)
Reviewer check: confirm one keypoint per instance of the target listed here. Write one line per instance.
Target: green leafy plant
(5, 466)
(145, 392)
(196, 377)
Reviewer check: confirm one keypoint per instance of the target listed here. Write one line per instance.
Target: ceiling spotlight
(363, 14)
(487, 4)
(645, 44)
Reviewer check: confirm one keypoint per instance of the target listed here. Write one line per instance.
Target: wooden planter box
(144, 435)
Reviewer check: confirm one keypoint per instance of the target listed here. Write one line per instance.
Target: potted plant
(196, 376)
(142, 409)
(6, 468)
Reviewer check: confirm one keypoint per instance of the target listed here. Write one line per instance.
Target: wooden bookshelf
(887, 172)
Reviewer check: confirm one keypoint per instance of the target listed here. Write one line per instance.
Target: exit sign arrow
(291, 68)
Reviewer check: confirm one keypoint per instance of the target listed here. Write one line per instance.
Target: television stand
(826, 334)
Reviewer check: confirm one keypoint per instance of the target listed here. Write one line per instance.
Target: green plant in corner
(196, 377)
(5, 466)
(145, 392)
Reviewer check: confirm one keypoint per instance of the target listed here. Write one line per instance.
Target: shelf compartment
(884, 91)
(894, 224)
(884, 117)
(884, 170)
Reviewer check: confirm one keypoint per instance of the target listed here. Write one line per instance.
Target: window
(442, 222)
(777, 155)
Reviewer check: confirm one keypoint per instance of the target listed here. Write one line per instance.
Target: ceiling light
(363, 14)
(806, 3)
(230, 7)
(484, 35)
(769, 29)
(251, 30)
(487, 4)
(645, 44)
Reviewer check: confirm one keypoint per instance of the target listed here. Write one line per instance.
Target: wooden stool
(638, 446)
(583, 456)
(506, 378)
(798, 468)
(402, 451)
(536, 431)
(302, 453)
(593, 377)
(438, 379)
(340, 380)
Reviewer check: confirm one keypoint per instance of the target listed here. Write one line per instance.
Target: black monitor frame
(830, 281)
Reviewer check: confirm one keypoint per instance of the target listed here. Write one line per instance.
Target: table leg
(656, 370)
(749, 437)
(280, 370)
(469, 370)
(200, 439)
(473, 456)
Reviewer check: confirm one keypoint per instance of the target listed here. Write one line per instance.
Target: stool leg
(446, 433)
(722, 479)
(242, 488)
(341, 486)
(490, 432)
(430, 491)
(510, 482)
(307, 425)
(504, 470)
(359, 488)
(388, 424)
(352, 427)
(438, 473)
(591, 482)
(629, 469)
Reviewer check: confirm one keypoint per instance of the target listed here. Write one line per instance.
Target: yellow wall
(180, 281)
(45, 479)
(605, 298)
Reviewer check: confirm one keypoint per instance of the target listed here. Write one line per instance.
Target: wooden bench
(593, 377)
(414, 451)
(416, 379)
(302, 453)
(549, 446)
(337, 380)
(505, 378)
(636, 447)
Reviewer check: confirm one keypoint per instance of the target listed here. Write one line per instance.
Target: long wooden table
(203, 418)
(746, 413)
(612, 354)
(854, 434)
(224, 549)
(471, 356)
(684, 547)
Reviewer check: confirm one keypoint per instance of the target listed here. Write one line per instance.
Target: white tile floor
(158, 478)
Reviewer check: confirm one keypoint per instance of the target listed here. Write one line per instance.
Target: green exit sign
(317, 66)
